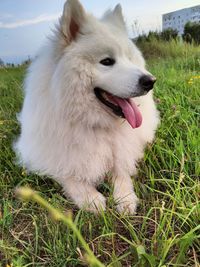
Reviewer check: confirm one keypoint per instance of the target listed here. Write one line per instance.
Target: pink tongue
(130, 110)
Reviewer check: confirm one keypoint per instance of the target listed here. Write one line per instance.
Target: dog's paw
(127, 204)
(95, 203)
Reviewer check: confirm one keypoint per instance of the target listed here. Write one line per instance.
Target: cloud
(36, 20)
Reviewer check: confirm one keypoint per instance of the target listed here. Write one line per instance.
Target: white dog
(88, 108)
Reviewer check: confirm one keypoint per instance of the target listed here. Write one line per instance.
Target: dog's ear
(115, 17)
(72, 19)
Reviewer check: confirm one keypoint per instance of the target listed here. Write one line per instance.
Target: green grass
(165, 231)
(162, 49)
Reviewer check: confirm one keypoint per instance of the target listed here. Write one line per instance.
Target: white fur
(66, 132)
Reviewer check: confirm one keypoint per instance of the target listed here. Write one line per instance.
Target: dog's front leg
(84, 195)
(124, 194)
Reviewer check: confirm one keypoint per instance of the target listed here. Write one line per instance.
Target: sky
(25, 24)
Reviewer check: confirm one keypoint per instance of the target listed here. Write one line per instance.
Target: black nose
(146, 82)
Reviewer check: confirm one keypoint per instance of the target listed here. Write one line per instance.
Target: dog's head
(101, 64)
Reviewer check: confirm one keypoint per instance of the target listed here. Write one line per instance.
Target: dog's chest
(92, 156)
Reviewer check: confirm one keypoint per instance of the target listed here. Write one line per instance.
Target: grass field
(166, 230)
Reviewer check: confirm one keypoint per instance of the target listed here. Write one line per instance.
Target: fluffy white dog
(88, 108)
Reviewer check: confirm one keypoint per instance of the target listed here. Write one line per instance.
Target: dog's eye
(107, 61)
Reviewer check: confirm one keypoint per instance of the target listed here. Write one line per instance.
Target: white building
(177, 19)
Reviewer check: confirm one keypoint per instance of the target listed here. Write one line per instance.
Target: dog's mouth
(122, 107)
